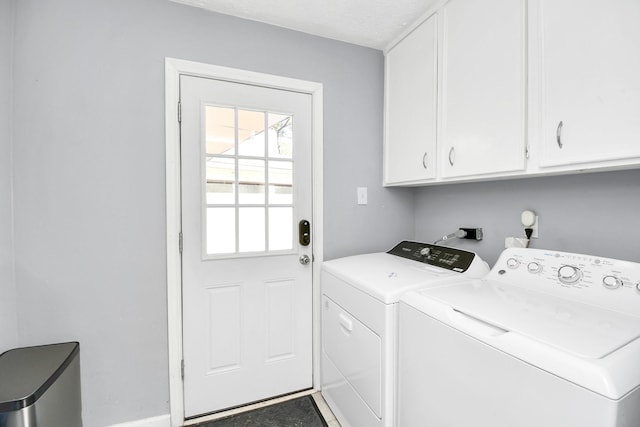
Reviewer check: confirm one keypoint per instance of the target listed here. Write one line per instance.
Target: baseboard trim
(160, 421)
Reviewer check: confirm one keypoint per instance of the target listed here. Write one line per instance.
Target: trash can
(40, 386)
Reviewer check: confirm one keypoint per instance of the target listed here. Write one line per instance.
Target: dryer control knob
(569, 274)
(611, 282)
(513, 263)
(425, 251)
(534, 267)
(638, 286)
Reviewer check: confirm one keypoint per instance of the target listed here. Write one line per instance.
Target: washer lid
(575, 328)
(385, 276)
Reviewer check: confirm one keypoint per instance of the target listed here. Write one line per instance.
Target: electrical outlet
(472, 233)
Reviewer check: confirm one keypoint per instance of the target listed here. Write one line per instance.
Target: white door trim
(173, 69)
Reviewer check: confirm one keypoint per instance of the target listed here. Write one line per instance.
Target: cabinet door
(483, 87)
(410, 107)
(591, 81)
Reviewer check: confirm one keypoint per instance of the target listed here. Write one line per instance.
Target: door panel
(246, 183)
(411, 106)
(591, 90)
(483, 88)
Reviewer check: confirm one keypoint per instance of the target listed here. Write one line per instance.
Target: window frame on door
(235, 158)
(173, 69)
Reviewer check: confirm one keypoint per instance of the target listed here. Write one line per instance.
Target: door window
(248, 188)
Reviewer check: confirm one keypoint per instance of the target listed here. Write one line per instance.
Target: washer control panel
(605, 282)
(440, 256)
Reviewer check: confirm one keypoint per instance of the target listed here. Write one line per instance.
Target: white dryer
(359, 323)
(545, 339)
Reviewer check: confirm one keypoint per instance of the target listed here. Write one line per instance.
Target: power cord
(458, 234)
(462, 233)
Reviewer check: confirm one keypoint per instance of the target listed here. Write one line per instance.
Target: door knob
(304, 259)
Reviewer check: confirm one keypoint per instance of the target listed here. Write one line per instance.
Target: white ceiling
(370, 23)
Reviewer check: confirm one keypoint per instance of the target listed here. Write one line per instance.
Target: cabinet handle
(424, 160)
(559, 134)
(451, 156)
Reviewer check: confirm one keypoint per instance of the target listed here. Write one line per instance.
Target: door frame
(173, 69)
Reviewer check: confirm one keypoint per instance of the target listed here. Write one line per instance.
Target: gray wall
(593, 214)
(8, 316)
(89, 173)
(88, 149)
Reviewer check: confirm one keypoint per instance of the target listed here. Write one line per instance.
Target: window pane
(280, 135)
(252, 229)
(251, 133)
(251, 181)
(280, 229)
(221, 230)
(220, 178)
(280, 182)
(220, 130)
(245, 150)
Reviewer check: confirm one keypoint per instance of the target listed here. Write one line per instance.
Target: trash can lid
(27, 373)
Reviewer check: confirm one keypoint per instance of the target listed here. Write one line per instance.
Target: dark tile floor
(298, 412)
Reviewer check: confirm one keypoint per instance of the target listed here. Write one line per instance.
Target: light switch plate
(362, 195)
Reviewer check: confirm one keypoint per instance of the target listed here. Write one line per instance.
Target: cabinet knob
(424, 160)
(452, 156)
(559, 134)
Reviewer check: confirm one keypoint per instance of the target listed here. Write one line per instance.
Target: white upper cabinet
(590, 82)
(483, 96)
(512, 88)
(410, 107)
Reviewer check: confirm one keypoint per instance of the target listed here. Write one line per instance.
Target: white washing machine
(545, 339)
(359, 323)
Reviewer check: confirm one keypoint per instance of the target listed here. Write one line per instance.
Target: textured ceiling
(371, 23)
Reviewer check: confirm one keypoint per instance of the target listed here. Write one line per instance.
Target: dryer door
(356, 352)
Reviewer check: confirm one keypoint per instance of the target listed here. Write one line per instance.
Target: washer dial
(513, 263)
(611, 282)
(569, 274)
(534, 267)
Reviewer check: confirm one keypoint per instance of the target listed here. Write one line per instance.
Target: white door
(247, 295)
